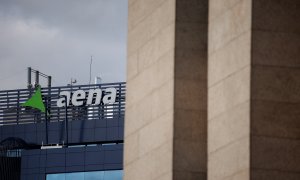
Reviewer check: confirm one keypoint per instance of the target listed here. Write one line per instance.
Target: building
(213, 90)
(212, 93)
(80, 142)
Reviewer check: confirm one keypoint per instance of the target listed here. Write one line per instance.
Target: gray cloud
(58, 36)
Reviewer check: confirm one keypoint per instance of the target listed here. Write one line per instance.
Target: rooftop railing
(12, 113)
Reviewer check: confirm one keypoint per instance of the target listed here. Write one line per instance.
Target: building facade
(213, 90)
(83, 140)
(212, 93)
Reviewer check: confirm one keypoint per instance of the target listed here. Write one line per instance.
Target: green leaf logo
(36, 101)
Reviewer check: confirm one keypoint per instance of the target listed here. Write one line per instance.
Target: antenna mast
(91, 69)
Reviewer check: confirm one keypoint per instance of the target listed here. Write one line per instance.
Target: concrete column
(229, 65)
(254, 90)
(275, 90)
(165, 123)
(190, 90)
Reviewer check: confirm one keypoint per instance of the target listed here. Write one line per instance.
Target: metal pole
(66, 122)
(37, 78)
(46, 120)
(37, 74)
(91, 69)
(49, 81)
(49, 98)
(29, 85)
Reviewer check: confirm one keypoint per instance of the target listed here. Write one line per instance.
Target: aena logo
(36, 101)
(93, 97)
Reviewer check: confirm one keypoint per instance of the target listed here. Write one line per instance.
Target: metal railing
(12, 113)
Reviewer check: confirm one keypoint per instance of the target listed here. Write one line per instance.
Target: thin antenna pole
(37, 81)
(29, 85)
(91, 69)
(49, 81)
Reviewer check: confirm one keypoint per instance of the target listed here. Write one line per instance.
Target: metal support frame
(47, 99)
(37, 77)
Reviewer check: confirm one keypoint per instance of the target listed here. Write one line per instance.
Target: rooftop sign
(96, 101)
(93, 97)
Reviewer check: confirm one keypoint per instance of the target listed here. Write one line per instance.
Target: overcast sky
(58, 37)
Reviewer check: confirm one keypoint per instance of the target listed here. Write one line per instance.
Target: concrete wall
(254, 82)
(213, 88)
(229, 66)
(150, 90)
(164, 100)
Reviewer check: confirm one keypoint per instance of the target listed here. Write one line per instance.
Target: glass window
(56, 177)
(14, 153)
(96, 175)
(75, 176)
(93, 175)
(113, 175)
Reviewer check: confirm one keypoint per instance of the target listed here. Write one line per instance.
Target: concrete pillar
(275, 90)
(254, 90)
(229, 64)
(166, 109)
(190, 90)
